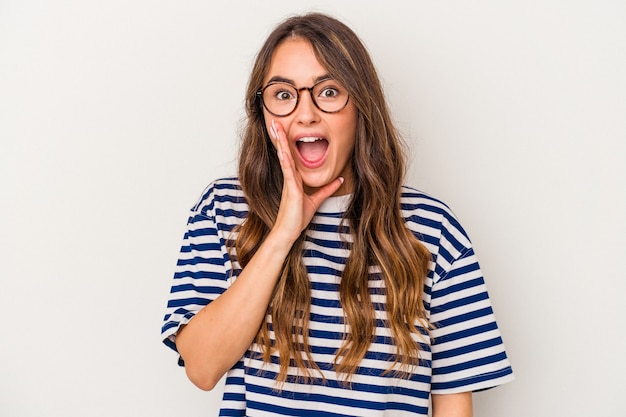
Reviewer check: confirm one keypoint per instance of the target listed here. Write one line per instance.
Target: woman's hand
(219, 335)
(296, 207)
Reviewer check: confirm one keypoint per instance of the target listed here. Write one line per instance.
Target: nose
(307, 111)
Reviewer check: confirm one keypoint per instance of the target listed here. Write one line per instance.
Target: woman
(316, 281)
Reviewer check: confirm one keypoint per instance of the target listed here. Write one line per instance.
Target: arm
(219, 335)
(452, 405)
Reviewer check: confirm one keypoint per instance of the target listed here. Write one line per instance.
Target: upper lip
(308, 135)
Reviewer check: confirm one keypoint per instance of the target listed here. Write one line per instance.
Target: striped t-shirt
(466, 352)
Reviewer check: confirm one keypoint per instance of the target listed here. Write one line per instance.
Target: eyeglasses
(281, 98)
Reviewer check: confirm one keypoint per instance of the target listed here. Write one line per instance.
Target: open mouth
(312, 149)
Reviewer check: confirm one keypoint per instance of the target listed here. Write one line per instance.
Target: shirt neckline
(335, 204)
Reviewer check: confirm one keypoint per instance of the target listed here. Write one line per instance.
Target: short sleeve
(467, 351)
(202, 270)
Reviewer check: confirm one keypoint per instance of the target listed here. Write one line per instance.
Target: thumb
(326, 191)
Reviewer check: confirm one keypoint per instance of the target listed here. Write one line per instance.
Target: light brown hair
(380, 236)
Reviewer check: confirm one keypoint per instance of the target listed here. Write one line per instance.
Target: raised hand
(297, 208)
(218, 336)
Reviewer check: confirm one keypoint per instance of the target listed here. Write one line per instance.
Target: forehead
(294, 59)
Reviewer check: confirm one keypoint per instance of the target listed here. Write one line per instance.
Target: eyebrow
(279, 79)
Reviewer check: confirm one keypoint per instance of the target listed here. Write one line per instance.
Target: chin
(316, 182)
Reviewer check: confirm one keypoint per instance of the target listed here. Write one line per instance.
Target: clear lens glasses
(281, 99)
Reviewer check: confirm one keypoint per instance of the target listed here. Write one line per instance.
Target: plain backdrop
(114, 115)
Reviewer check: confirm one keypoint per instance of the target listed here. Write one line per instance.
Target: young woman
(316, 281)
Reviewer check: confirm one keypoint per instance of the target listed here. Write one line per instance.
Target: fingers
(275, 136)
(281, 140)
(283, 150)
(290, 219)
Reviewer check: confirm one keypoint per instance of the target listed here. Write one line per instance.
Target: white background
(114, 115)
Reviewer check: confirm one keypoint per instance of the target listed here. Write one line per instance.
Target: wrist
(278, 242)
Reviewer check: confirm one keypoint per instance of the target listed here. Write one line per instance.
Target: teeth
(308, 139)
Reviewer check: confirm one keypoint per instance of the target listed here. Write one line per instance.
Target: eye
(329, 92)
(282, 95)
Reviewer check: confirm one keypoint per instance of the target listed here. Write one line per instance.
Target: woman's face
(321, 144)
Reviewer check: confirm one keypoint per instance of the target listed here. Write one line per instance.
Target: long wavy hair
(380, 236)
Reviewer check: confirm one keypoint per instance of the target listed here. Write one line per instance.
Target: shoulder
(431, 209)
(433, 221)
(220, 195)
(414, 199)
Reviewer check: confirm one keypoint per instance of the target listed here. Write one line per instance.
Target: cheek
(348, 127)
(349, 117)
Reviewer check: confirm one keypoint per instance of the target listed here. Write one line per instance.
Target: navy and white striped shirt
(466, 353)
